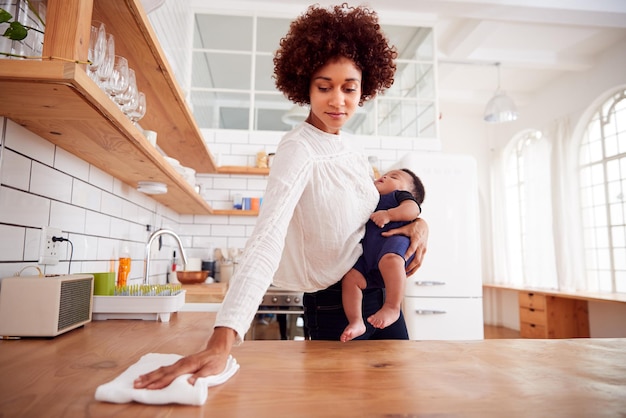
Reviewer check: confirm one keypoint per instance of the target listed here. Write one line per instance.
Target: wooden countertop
(501, 378)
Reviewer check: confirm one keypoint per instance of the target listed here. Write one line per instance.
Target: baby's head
(402, 179)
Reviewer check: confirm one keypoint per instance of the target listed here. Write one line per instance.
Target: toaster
(35, 306)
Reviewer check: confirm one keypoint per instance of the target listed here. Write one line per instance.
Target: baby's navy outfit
(375, 245)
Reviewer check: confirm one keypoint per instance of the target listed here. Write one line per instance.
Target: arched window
(528, 212)
(602, 165)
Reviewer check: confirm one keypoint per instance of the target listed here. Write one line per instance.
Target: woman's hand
(417, 231)
(210, 361)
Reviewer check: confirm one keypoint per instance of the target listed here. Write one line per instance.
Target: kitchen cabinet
(55, 99)
(545, 316)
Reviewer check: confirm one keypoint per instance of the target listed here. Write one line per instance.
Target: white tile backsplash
(21, 140)
(86, 195)
(22, 208)
(111, 204)
(13, 168)
(100, 179)
(49, 182)
(67, 217)
(32, 244)
(12, 242)
(71, 164)
(97, 224)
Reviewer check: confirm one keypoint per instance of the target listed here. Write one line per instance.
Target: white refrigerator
(443, 299)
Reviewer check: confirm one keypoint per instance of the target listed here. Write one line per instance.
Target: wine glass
(140, 110)
(97, 48)
(130, 93)
(105, 69)
(117, 82)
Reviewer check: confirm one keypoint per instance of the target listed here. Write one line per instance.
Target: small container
(123, 268)
(237, 201)
(103, 283)
(226, 271)
(270, 159)
(193, 264)
(171, 275)
(209, 266)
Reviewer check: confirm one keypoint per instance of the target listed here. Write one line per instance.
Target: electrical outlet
(49, 250)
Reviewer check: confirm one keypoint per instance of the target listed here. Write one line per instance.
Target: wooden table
(501, 378)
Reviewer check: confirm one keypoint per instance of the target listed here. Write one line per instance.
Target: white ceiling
(536, 41)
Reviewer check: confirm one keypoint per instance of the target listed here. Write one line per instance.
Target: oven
(279, 317)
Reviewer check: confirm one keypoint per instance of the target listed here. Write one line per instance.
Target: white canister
(226, 271)
(193, 264)
(151, 136)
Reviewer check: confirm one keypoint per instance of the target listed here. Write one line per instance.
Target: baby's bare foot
(352, 331)
(386, 316)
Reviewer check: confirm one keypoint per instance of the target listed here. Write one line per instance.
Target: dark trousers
(325, 319)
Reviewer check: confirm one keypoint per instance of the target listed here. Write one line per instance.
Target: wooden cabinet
(55, 99)
(546, 316)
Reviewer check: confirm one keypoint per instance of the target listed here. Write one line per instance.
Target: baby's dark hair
(418, 191)
(321, 35)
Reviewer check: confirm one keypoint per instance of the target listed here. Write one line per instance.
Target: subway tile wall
(44, 185)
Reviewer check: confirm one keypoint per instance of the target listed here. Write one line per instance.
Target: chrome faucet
(153, 236)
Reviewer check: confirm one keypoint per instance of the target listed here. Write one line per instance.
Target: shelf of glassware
(59, 102)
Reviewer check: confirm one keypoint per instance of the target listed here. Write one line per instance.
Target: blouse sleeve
(289, 176)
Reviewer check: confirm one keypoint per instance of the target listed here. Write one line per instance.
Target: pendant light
(295, 115)
(501, 107)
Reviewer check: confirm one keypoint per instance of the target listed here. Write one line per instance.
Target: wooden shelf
(59, 102)
(234, 212)
(235, 169)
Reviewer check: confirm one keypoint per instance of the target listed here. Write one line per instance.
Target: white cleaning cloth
(120, 389)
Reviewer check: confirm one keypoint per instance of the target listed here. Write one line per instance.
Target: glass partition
(232, 85)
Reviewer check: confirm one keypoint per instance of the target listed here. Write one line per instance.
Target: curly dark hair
(320, 35)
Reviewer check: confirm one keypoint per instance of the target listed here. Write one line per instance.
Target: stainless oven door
(278, 323)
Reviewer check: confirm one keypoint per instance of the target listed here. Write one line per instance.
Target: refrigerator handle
(429, 283)
(429, 312)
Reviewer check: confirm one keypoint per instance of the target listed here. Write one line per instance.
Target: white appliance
(34, 306)
(443, 299)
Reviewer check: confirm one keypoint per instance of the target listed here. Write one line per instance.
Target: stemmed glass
(130, 93)
(117, 82)
(105, 69)
(97, 48)
(139, 110)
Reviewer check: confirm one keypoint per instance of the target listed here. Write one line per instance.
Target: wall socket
(48, 250)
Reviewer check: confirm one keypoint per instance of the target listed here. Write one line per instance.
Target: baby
(382, 264)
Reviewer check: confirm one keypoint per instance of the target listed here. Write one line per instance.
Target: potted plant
(18, 28)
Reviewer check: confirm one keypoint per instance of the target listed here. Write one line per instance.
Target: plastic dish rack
(149, 308)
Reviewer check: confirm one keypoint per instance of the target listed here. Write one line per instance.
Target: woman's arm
(417, 231)
(253, 276)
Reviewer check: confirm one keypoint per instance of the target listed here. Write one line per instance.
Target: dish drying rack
(146, 302)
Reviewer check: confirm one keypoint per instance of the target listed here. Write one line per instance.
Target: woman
(319, 193)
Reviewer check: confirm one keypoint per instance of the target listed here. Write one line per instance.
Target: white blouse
(319, 195)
